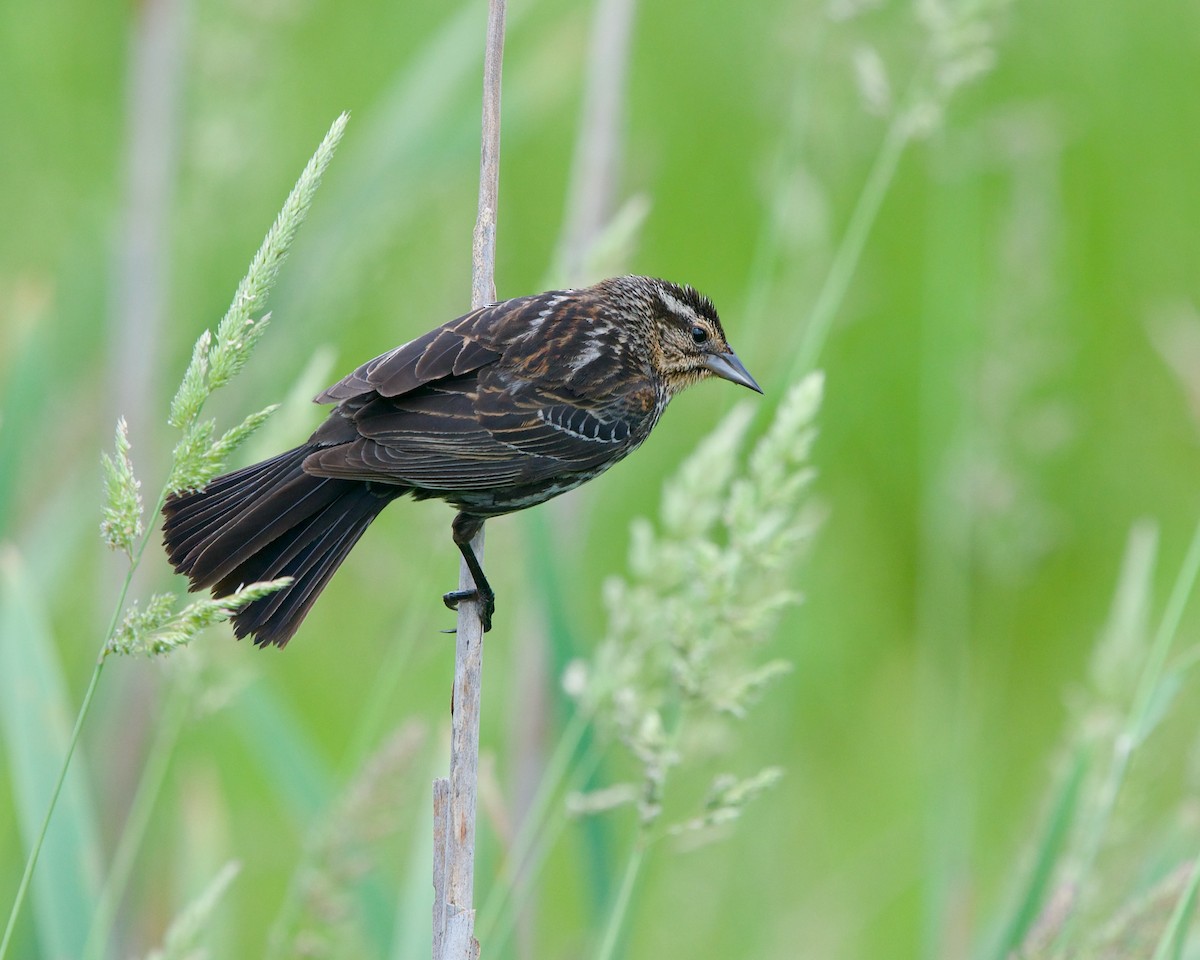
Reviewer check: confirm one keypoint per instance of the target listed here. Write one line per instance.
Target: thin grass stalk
(539, 831)
(252, 290)
(1137, 722)
(544, 841)
(554, 570)
(84, 708)
(591, 210)
(453, 913)
(1171, 944)
(595, 166)
(152, 137)
(380, 696)
(616, 917)
(1163, 639)
(31, 862)
(534, 821)
(854, 241)
(767, 245)
(1036, 887)
(154, 772)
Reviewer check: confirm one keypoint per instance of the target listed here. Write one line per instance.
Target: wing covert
(452, 350)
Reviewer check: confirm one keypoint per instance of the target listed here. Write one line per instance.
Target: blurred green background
(1012, 383)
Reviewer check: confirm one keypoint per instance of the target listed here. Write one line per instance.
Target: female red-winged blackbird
(496, 411)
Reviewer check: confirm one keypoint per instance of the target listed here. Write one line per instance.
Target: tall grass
(978, 759)
(157, 628)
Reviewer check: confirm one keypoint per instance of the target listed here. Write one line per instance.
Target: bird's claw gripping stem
(487, 603)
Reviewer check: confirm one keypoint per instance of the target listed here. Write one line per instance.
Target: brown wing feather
(467, 433)
(457, 348)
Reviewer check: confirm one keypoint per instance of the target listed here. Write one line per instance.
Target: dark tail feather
(267, 521)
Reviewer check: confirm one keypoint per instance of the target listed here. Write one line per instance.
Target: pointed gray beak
(729, 367)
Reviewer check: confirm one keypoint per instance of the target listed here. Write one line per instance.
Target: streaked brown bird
(499, 410)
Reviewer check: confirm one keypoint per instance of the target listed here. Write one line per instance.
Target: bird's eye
(699, 334)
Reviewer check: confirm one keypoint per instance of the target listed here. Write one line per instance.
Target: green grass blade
(35, 723)
(1150, 686)
(548, 568)
(1171, 943)
(179, 701)
(1037, 888)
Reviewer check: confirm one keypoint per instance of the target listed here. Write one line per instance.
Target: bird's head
(684, 336)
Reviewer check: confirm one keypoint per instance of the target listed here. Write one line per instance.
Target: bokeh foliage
(1011, 384)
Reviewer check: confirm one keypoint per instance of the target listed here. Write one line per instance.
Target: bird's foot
(487, 603)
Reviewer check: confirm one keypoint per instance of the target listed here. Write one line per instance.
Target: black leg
(464, 528)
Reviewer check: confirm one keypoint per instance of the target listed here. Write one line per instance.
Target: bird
(501, 409)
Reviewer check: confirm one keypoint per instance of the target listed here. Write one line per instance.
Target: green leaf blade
(35, 727)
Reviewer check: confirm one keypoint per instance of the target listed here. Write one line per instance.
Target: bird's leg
(464, 529)
(483, 590)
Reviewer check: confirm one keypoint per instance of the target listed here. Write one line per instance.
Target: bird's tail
(267, 521)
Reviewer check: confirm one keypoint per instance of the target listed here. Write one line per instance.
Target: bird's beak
(729, 367)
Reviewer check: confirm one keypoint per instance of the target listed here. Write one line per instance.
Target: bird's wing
(448, 351)
(486, 430)
(453, 350)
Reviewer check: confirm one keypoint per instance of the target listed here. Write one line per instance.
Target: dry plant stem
(455, 798)
(483, 267)
(441, 820)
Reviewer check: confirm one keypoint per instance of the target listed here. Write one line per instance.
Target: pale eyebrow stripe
(677, 306)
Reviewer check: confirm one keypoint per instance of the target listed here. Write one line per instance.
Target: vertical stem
(84, 707)
(453, 913)
(483, 267)
(1134, 729)
(849, 251)
(151, 166)
(141, 280)
(31, 862)
(616, 919)
(534, 821)
(441, 821)
(180, 698)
